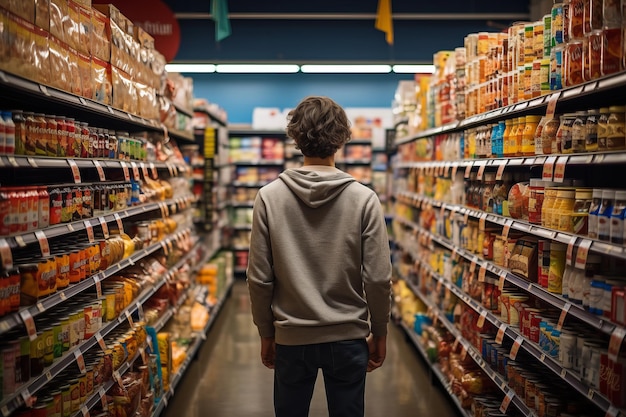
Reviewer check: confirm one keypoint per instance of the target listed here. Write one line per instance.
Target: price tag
(506, 401)
(481, 319)
(129, 317)
(481, 171)
(481, 273)
(554, 98)
(615, 342)
(105, 227)
(559, 169)
(570, 250)
(62, 296)
(590, 393)
(153, 171)
(43, 243)
(20, 241)
(32, 162)
(566, 308)
(515, 348)
(506, 229)
(75, 171)
(500, 171)
(126, 171)
(80, 361)
(110, 109)
(502, 280)
(481, 221)
(103, 398)
(89, 230)
(164, 398)
(144, 170)
(170, 169)
(13, 161)
(170, 245)
(473, 265)
(40, 307)
(455, 345)
(442, 212)
(468, 169)
(26, 397)
(44, 89)
(84, 411)
(581, 254)
(144, 356)
(455, 254)
(101, 342)
(135, 168)
(612, 412)
(118, 378)
(70, 227)
(140, 311)
(548, 168)
(466, 217)
(96, 280)
(455, 168)
(6, 254)
(120, 224)
(165, 248)
(500, 334)
(563, 373)
(164, 209)
(29, 322)
(101, 175)
(463, 352)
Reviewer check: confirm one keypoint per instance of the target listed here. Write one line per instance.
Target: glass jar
(487, 192)
(573, 63)
(602, 128)
(616, 137)
(591, 131)
(548, 134)
(563, 212)
(528, 134)
(580, 215)
(594, 208)
(537, 137)
(564, 134)
(578, 132)
(611, 50)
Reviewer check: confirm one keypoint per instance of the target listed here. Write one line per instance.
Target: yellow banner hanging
(384, 19)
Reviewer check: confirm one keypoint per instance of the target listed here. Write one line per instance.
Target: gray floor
(228, 379)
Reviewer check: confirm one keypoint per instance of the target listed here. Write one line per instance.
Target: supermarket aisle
(228, 379)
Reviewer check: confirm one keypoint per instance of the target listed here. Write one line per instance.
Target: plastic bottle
(616, 228)
(531, 123)
(604, 215)
(580, 213)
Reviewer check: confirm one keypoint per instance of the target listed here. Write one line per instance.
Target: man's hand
(377, 346)
(268, 351)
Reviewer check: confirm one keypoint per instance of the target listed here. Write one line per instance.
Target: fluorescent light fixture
(189, 68)
(414, 69)
(345, 69)
(257, 68)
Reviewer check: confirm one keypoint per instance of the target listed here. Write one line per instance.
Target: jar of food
(557, 267)
(563, 143)
(562, 219)
(566, 11)
(528, 135)
(53, 138)
(580, 213)
(591, 130)
(594, 40)
(511, 149)
(521, 126)
(616, 136)
(602, 128)
(573, 63)
(610, 54)
(548, 134)
(537, 136)
(506, 136)
(548, 205)
(578, 132)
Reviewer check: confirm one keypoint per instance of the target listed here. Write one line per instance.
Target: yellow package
(102, 87)
(100, 45)
(84, 69)
(41, 56)
(74, 72)
(59, 64)
(42, 14)
(58, 13)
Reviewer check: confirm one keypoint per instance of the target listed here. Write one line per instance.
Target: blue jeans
(344, 366)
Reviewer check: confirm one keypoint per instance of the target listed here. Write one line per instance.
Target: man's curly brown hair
(319, 126)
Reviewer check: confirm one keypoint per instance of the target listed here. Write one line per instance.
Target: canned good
(573, 63)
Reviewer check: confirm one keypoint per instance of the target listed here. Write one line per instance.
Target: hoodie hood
(314, 189)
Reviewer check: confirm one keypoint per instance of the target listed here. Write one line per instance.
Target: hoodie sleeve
(376, 266)
(260, 276)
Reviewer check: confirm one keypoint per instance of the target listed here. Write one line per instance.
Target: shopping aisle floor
(228, 380)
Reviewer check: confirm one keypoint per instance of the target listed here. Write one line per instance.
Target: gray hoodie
(319, 259)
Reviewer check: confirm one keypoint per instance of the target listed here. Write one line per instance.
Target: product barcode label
(120, 224)
(43, 243)
(500, 334)
(507, 401)
(548, 168)
(101, 175)
(582, 253)
(500, 171)
(89, 230)
(481, 318)
(563, 315)
(554, 98)
(515, 348)
(559, 169)
(75, 171)
(126, 172)
(135, 169)
(105, 227)
(96, 280)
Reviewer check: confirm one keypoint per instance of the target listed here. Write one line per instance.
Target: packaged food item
(616, 227)
(74, 71)
(85, 80)
(58, 14)
(101, 81)
(71, 25)
(615, 131)
(518, 201)
(42, 14)
(100, 43)
(604, 215)
(84, 30)
(611, 52)
(60, 65)
(573, 63)
(523, 260)
(124, 93)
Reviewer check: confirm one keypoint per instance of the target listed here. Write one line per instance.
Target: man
(319, 267)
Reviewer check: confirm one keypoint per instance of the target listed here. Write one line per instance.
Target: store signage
(156, 18)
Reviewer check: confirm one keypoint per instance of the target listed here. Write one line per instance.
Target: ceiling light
(346, 69)
(257, 68)
(414, 69)
(189, 68)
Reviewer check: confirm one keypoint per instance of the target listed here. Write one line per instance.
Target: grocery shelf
(554, 300)
(27, 238)
(583, 158)
(256, 132)
(181, 110)
(260, 162)
(36, 161)
(435, 369)
(571, 378)
(599, 246)
(14, 320)
(497, 379)
(214, 116)
(181, 135)
(191, 353)
(18, 91)
(606, 90)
